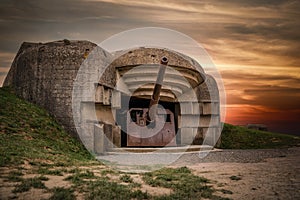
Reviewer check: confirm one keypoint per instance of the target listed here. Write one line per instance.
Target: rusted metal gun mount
(142, 127)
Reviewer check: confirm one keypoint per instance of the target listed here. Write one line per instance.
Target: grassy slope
(235, 137)
(27, 132)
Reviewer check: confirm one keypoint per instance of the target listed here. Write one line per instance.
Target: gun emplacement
(157, 88)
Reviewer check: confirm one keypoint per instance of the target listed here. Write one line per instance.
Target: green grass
(46, 171)
(27, 184)
(78, 178)
(181, 180)
(108, 171)
(105, 190)
(126, 178)
(14, 176)
(235, 137)
(29, 133)
(60, 193)
(99, 187)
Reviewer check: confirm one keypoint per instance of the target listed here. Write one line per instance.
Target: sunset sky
(255, 44)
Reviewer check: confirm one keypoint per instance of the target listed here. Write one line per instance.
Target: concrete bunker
(125, 102)
(45, 74)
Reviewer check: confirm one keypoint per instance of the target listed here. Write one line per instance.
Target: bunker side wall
(44, 74)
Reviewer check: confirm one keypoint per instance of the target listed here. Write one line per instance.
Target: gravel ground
(258, 174)
(236, 174)
(146, 161)
(261, 174)
(238, 156)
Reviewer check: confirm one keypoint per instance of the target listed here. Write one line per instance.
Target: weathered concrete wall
(210, 126)
(143, 55)
(44, 74)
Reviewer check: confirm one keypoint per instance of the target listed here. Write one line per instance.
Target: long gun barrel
(157, 88)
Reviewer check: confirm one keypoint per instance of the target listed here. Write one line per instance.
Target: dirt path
(276, 175)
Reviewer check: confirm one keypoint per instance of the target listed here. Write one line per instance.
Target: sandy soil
(271, 178)
(263, 174)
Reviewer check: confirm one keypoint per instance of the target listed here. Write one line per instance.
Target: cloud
(257, 33)
(3, 73)
(233, 74)
(32, 17)
(271, 91)
(279, 98)
(233, 31)
(5, 62)
(257, 3)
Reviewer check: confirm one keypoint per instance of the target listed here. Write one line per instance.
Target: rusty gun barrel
(157, 88)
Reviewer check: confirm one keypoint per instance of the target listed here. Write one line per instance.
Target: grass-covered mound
(27, 132)
(235, 137)
(29, 135)
(39, 159)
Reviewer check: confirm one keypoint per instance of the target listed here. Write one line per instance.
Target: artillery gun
(152, 126)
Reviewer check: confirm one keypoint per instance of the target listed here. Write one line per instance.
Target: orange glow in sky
(254, 44)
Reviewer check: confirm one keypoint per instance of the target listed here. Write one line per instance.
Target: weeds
(73, 171)
(102, 188)
(108, 171)
(105, 190)
(235, 178)
(60, 193)
(135, 185)
(15, 176)
(126, 178)
(26, 184)
(184, 184)
(226, 191)
(47, 171)
(78, 178)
